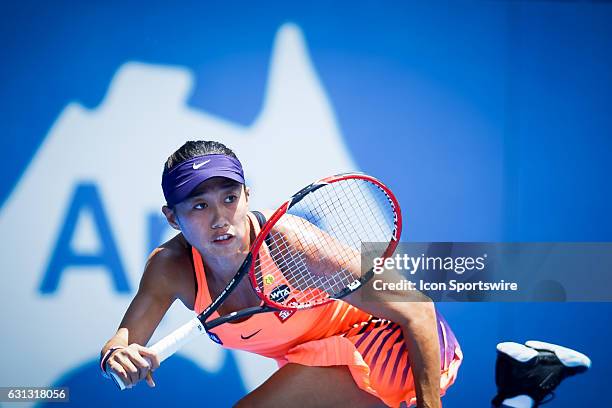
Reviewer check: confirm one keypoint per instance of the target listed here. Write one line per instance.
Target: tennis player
(349, 353)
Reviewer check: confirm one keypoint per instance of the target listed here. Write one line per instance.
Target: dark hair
(196, 148)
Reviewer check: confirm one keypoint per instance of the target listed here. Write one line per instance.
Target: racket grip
(170, 344)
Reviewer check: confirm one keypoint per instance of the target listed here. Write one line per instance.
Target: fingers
(150, 381)
(129, 367)
(151, 355)
(118, 369)
(142, 365)
(134, 363)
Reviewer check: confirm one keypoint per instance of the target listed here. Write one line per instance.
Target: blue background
(490, 119)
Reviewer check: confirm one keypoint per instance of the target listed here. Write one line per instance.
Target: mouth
(223, 239)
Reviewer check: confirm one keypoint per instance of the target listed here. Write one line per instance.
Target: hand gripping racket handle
(192, 329)
(170, 344)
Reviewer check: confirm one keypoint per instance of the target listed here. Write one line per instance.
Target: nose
(219, 220)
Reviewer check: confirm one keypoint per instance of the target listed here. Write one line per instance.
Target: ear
(171, 217)
(247, 193)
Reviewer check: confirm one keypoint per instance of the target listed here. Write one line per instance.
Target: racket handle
(170, 344)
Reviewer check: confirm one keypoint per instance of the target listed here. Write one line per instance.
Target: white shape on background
(121, 146)
(85, 239)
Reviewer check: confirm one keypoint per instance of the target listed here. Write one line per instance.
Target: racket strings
(368, 217)
(291, 267)
(315, 248)
(293, 263)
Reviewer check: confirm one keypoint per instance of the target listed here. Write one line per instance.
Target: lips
(221, 239)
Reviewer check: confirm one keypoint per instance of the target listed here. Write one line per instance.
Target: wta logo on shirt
(280, 293)
(284, 315)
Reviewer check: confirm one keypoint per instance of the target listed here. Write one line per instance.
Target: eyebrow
(229, 185)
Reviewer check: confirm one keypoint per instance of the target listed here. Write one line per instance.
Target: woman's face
(213, 219)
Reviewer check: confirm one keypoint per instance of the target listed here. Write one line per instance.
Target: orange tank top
(268, 334)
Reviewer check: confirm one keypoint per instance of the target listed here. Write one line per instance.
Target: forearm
(416, 314)
(140, 320)
(421, 337)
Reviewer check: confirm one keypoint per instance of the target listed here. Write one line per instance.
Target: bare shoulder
(168, 271)
(267, 213)
(170, 253)
(290, 227)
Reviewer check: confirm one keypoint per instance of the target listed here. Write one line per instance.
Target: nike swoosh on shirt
(197, 166)
(249, 336)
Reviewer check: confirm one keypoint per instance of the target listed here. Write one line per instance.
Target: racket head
(308, 253)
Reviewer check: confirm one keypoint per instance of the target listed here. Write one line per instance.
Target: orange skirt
(377, 358)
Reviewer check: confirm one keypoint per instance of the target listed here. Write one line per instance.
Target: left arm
(419, 326)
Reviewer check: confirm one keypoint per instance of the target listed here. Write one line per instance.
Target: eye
(200, 206)
(231, 198)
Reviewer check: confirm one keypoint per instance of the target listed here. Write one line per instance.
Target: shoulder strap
(262, 220)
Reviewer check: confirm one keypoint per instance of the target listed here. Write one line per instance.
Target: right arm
(156, 293)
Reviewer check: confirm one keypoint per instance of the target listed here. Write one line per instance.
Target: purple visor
(179, 182)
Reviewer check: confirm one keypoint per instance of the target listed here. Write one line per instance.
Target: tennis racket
(307, 254)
